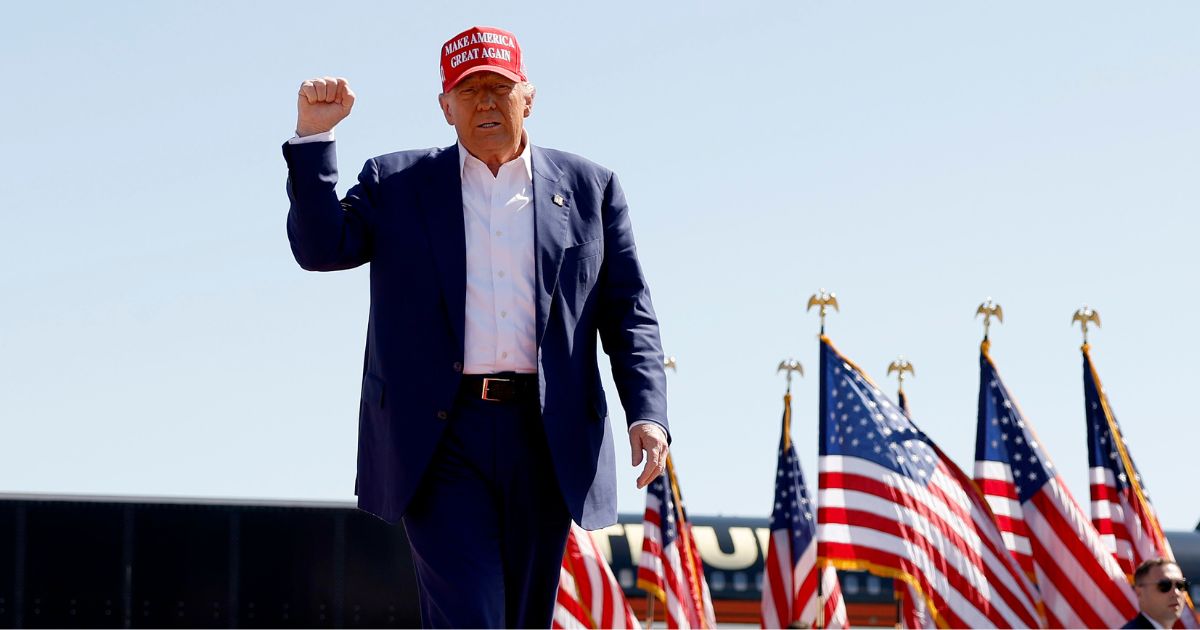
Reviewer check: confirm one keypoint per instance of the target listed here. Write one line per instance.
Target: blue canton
(860, 421)
(1004, 436)
(1102, 449)
(793, 510)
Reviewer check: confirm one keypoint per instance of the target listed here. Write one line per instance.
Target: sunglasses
(1165, 586)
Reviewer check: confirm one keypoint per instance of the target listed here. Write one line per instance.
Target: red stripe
(652, 518)
(1073, 543)
(1103, 492)
(883, 558)
(1103, 525)
(997, 487)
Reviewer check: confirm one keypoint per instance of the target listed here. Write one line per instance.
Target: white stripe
(1017, 543)
(1003, 506)
(1102, 475)
(985, 469)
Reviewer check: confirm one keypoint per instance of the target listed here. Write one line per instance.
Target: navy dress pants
(488, 524)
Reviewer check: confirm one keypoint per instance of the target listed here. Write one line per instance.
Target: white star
(1032, 476)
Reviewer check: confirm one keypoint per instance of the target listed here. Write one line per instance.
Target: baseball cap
(478, 49)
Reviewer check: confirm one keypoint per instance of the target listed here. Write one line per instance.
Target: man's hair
(1145, 567)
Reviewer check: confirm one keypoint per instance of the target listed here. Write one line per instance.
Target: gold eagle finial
(823, 299)
(1084, 316)
(989, 309)
(899, 367)
(790, 366)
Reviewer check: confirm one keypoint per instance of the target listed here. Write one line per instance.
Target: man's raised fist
(322, 104)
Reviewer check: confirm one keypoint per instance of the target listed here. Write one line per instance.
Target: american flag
(890, 502)
(1121, 509)
(1080, 583)
(670, 568)
(913, 613)
(790, 594)
(589, 595)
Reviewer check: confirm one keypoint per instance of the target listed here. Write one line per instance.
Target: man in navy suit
(495, 264)
(1160, 588)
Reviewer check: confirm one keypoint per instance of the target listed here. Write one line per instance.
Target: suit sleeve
(327, 234)
(626, 320)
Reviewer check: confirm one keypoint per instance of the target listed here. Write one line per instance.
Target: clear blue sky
(156, 337)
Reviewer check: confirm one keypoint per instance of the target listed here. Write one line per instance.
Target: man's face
(488, 111)
(1155, 603)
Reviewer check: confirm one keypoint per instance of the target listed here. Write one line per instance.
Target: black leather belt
(509, 387)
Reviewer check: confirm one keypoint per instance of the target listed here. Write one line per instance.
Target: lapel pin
(559, 201)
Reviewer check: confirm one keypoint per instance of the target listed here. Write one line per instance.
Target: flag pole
(823, 299)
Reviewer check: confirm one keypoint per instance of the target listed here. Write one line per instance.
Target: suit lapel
(551, 211)
(442, 205)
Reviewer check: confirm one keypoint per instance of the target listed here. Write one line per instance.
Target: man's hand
(322, 104)
(648, 437)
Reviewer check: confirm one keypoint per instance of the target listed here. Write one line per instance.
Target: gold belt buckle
(487, 383)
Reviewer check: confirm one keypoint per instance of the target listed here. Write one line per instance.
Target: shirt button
(501, 274)
(457, 366)
(499, 232)
(442, 415)
(503, 313)
(503, 355)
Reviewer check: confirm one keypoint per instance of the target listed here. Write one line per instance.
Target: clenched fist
(322, 104)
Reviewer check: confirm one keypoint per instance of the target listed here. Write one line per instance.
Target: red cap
(478, 49)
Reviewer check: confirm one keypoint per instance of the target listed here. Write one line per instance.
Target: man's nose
(487, 101)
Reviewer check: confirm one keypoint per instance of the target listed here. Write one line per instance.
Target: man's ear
(529, 102)
(444, 102)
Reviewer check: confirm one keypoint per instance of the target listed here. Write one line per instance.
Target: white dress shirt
(500, 305)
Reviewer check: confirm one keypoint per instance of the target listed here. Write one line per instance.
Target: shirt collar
(524, 158)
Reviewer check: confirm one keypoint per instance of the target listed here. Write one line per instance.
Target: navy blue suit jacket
(405, 217)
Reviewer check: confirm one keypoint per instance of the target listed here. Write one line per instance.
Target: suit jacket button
(458, 366)
(442, 415)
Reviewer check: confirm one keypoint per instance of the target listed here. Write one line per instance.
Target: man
(1160, 588)
(494, 265)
